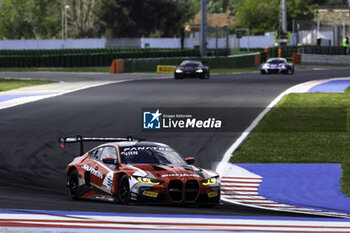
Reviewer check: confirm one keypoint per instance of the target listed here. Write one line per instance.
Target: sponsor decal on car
(150, 194)
(108, 181)
(180, 175)
(212, 194)
(92, 171)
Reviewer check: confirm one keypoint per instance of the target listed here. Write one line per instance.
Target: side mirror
(110, 161)
(189, 160)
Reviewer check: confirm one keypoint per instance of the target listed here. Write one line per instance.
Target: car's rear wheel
(291, 70)
(124, 190)
(73, 184)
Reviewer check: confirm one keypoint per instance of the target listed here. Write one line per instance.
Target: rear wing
(62, 141)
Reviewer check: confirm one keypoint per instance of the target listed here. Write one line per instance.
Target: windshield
(275, 61)
(190, 64)
(150, 155)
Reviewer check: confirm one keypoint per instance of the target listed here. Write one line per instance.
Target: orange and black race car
(133, 170)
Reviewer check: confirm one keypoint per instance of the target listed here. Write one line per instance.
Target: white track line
(29, 99)
(235, 177)
(88, 223)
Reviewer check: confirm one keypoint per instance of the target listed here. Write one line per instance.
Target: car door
(107, 170)
(92, 175)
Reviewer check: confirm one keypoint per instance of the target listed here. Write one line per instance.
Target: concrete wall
(307, 37)
(325, 59)
(52, 44)
(123, 42)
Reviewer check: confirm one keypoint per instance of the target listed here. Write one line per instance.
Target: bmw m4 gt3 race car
(193, 69)
(132, 170)
(277, 65)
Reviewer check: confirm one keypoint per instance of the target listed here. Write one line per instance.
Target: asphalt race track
(32, 165)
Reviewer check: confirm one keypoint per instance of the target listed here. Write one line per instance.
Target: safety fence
(82, 58)
(305, 49)
(122, 52)
(325, 50)
(274, 51)
(150, 64)
(90, 57)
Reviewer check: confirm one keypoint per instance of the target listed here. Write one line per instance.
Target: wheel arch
(69, 171)
(119, 176)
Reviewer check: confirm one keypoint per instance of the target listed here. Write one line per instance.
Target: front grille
(175, 190)
(191, 190)
(274, 71)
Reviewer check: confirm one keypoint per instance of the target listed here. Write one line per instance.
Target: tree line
(41, 19)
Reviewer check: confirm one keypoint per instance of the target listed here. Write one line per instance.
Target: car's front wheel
(73, 184)
(124, 190)
(208, 75)
(205, 76)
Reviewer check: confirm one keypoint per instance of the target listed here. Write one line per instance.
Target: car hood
(169, 171)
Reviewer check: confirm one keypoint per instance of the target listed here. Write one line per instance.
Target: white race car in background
(277, 65)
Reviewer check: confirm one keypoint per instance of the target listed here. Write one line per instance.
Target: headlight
(265, 66)
(199, 71)
(209, 181)
(145, 180)
(283, 66)
(178, 71)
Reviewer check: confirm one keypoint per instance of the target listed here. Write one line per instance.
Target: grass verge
(303, 128)
(9, 84)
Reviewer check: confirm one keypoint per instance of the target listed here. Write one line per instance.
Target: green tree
(136, 18)
(264, 15)
(16, 19)
(46, 18)
(25, 19)
(81, 18)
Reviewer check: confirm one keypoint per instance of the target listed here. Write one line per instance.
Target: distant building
(333, 15)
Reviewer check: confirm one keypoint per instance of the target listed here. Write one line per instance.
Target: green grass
(303, 128)
(9, 84)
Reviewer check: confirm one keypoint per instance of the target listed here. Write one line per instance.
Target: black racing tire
(205, 76)
(123, 190)
(208, 75)
(73, 184)
(292, 70)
